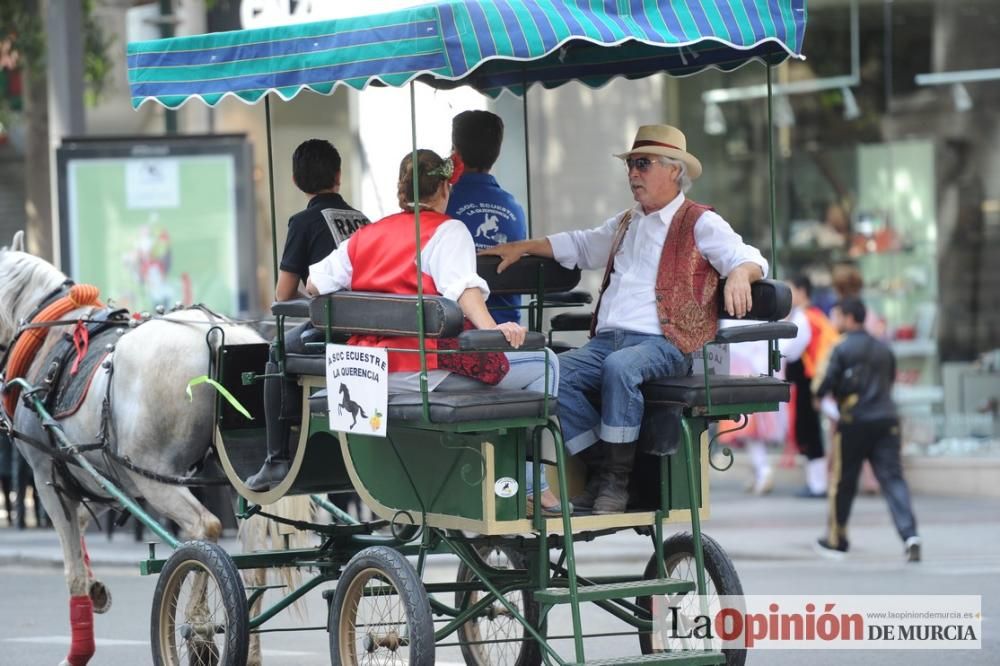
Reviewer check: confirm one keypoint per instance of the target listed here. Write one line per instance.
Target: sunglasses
(640, 163)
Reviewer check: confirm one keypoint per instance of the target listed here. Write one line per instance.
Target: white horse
(152, 423)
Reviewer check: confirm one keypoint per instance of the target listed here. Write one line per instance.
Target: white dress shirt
(629, 302)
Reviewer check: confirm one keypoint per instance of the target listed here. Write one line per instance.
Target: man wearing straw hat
(662, 261)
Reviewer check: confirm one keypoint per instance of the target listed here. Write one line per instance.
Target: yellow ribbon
(204, 379)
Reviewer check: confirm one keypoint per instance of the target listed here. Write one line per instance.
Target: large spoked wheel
(380, 612)
(200, 615)
(720, 580)
(496, 638)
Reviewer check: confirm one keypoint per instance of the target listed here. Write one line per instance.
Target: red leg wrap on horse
(81, 621)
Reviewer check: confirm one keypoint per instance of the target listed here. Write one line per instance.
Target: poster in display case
(155, 221)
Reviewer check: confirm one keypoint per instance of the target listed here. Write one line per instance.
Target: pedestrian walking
(859, 375)
(804, 355)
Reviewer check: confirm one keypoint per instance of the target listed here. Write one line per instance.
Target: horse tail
(260, 534)
(362, 410)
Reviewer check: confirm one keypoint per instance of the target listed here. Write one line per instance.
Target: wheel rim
(496, 624)
(374, 625)
(684, 567)
(193, 618)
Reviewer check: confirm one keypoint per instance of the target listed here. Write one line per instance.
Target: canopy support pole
(527, 154)
(770, 171)
(773, 355)
(415, 164)
(280, 332)
(270, 191)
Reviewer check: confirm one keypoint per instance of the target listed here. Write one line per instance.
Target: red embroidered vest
(383, 258)
(687, 286)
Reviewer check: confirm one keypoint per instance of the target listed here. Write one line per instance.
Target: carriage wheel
(498, 624)
(720, 580)
(380, 612)
(200, 615)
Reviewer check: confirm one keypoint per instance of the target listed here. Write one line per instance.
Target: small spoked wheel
(380, 612)
(720, 580)
(200, 615)
(496, 638)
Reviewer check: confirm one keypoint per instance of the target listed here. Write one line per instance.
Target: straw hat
(664, 140)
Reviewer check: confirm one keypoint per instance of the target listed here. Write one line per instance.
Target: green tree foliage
(22, 29)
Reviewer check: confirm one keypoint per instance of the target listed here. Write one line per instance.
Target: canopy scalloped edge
(255, 96)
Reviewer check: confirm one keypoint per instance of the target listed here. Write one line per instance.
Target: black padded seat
(726, 390)
(306, 364)
(453, 407)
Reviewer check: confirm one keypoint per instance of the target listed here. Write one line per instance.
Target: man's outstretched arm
(509, 253)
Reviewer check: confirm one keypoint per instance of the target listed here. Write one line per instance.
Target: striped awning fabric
(490, 45)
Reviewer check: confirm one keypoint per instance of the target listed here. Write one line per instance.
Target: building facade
(887, 147)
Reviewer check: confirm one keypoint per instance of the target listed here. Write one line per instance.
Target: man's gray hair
(683, 179)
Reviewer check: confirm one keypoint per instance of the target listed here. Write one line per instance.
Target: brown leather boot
(593, 458)
(613, 496)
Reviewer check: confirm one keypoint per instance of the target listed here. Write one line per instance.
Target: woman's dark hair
(847, 280)
(315, 165)
(477, 136)
(427, 161)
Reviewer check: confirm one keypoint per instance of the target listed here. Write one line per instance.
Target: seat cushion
(306, 364)
(726, 390)
(453, 407)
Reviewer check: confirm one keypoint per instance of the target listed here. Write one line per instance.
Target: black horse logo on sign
(352, 407)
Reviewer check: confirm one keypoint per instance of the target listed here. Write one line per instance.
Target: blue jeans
(613, 365)
(527, 372)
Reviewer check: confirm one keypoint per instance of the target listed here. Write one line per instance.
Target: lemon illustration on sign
(376, 420)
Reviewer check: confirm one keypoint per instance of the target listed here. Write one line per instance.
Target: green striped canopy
(491, 45)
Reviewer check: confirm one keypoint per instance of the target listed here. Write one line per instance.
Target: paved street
(769, 539)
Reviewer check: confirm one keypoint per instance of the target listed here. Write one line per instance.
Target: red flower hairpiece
(458, 168)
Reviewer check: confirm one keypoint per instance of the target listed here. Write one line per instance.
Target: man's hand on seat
(737, 292)
(510, 253)
(514, 333)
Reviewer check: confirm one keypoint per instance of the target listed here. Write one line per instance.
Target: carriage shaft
(71, 449)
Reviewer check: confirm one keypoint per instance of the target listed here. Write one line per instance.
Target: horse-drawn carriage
(449, 477)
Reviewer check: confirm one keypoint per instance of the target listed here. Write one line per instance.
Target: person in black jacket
(860, 375)
(313, 233)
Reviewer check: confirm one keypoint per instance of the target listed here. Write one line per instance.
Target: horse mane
(24, 281)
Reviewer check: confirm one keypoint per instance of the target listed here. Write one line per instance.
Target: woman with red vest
(380, 257)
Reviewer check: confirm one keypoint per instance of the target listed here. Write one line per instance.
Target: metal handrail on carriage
(491, 46)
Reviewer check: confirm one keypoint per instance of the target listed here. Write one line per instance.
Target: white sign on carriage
(357, 387)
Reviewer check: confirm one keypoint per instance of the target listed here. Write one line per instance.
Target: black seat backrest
(370, 313)
(527, 275)
(772, 301)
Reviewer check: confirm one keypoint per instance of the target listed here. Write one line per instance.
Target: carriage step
(605, 591)
(691, 657)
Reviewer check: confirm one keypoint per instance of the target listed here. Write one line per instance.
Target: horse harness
(64, 379)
